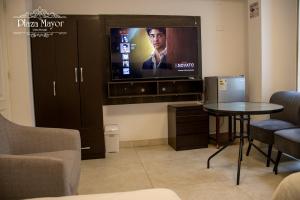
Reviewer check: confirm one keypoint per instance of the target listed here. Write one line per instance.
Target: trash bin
(112, 135)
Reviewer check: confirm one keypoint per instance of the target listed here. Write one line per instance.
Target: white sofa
(288, 189)
(148, 194)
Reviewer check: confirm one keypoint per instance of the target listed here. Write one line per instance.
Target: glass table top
(243, 108)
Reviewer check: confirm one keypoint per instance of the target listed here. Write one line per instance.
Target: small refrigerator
(223, 89)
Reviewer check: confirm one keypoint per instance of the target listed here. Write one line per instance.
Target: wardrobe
(67, 80)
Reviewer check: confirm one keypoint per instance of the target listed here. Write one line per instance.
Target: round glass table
(243, 110)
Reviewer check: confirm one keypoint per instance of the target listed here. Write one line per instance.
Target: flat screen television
(154, 53)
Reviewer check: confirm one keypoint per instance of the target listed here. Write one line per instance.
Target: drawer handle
(76, 80)
(85, 148)
(54, 88)
(81, 74)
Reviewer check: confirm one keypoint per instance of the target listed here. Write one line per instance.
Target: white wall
(272, 49)
(4, 86)
(224, 49)
(279, 52)
(254, 45)
(19, 64)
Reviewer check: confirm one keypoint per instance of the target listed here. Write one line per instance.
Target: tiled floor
(184, 172)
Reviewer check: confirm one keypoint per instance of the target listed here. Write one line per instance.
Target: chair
(38, 162)
(263, 131)
(288, 142)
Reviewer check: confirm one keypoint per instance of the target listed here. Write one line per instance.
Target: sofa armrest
(25, 139)
(288, 188)
(31, 176)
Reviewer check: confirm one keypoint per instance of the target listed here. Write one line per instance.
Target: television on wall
(154, 53)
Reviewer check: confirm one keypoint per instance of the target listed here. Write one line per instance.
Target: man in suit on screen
(158, 58)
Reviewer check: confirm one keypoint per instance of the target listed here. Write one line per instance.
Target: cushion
(264, 130)
(288, 141)
(71, 164)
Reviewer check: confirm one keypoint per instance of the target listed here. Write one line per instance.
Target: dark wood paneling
(90, 39)
(43, 75)
(92, 143)
(68, 96)
(154, 91)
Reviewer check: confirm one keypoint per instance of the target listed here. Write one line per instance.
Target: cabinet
(67, 81)
(154, 88)
(188, 126)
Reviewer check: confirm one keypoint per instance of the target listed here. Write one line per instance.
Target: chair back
(290, 100)
(4, 142)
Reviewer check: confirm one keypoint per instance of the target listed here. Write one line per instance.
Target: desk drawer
(192, 125)
(191, 141)
(191, 111)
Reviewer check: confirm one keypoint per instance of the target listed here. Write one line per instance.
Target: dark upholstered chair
(38, 162)
(288, 142)
(263, 131)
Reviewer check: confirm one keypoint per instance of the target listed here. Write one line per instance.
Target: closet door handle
(54, 88)
(81, 74)
(76, 80)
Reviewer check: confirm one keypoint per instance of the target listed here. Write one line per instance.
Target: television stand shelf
(154, 91)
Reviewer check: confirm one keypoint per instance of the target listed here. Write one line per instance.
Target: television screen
(154, 52)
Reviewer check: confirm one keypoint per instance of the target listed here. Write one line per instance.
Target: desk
(243, 110)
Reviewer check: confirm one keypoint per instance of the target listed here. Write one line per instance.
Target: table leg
(217, 130)
(248, 128)
(234, 126)
(210, 157)
(229, 128)
(241, 148)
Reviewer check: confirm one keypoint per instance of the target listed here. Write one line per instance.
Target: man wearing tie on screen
(158, 59)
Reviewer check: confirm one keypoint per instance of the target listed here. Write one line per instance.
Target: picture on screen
(154, 52)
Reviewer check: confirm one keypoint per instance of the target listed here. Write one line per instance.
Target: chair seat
(71, 164)
(288, 141)
(264, 130)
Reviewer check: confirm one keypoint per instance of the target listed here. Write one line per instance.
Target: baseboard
(142, 143)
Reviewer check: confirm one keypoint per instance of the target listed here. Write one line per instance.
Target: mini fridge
(223, 89)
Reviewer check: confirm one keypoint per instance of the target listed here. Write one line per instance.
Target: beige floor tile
(185, 172)
(260, 187)
(114, 178)
(124, 157)
(180, 173)
(211, 191)
(165, 152)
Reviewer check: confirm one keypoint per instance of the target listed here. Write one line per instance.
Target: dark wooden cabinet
(188, 126)
(129, 89)
(67, 81)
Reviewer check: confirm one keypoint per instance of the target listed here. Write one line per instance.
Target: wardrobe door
(90, 58)
(44, 81)
(67, 76)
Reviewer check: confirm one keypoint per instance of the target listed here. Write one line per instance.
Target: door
(44, 81)
(67, 85)
(90, 57)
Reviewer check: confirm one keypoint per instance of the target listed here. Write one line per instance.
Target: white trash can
(112, 137)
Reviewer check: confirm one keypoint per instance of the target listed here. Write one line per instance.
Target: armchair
(38, 162)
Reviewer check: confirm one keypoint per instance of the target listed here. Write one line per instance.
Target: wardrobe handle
(81, 74)
(76, 80)
(54, 89)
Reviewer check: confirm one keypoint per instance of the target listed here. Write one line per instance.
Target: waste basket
(112, 135)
